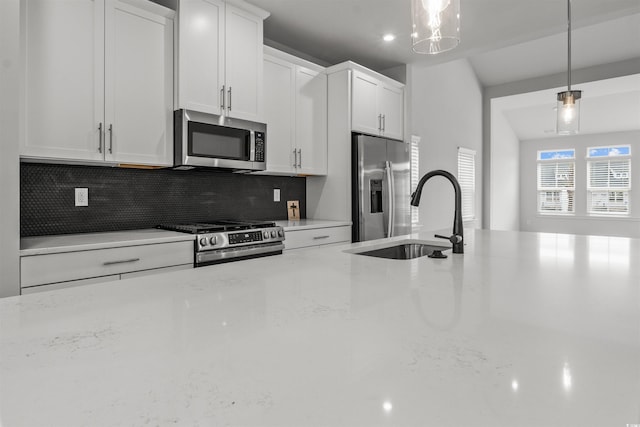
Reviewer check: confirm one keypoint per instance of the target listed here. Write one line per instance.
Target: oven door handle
(242, 251)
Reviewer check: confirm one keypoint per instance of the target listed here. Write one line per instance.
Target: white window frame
(467, 181)
(612, 198)
(415, 175)
(550, 195)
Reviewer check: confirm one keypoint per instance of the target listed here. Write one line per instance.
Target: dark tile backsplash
(126, 199)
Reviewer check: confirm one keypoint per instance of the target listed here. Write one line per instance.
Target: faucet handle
(454, 238)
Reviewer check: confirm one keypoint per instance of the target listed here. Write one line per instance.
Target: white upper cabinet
(377, 105)
(279, 114)
(392, 110)
(139, 87)
(311, 121)
(97, 82)
(365, 115)
(296, 115)
(220, 67)
(200, 53)
(63, 79)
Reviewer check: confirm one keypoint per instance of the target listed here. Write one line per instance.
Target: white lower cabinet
(67, 269)
(304, 238)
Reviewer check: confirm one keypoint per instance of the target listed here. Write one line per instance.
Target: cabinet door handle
(320, 237)
(222, 99)
(380, 122)
(229, 98)
(299, 157)
(295, 158)
(124, 261)
(100, 138)
(384, 123)
(110, 138)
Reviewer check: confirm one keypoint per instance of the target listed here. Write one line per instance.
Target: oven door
(203, 258)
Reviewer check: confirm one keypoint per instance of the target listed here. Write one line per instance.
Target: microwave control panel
(259, 147)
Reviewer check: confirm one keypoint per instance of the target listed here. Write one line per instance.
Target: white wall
(445, 110)
(494, 187)
(581, 222)
(505, 207)
(9, 161)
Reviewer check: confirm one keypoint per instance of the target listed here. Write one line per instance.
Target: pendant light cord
(569, 45)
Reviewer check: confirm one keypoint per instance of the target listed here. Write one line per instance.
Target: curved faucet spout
(457, 239)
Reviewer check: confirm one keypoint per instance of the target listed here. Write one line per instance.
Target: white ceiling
(504, 41)
(611, 105)
(496, 34)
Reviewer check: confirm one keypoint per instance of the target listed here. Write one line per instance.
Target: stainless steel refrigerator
(380, 187)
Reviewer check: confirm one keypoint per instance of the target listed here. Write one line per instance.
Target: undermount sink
(407, 250)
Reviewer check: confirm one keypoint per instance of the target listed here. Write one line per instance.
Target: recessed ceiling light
(388, 37)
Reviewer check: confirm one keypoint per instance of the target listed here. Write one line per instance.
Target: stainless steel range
(223, 241)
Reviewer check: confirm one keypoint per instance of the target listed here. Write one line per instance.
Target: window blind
(415, 174)
(556, 186)
(467, 180)
(608, 185)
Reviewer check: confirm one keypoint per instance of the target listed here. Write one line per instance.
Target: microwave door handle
(252, 146)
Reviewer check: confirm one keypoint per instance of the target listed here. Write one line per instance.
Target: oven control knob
(281, 233)
(266, 234)
(212, 240)
(273, 233)
(203, 241)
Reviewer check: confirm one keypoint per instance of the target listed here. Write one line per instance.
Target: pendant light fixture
(436, 25)
(568, 111)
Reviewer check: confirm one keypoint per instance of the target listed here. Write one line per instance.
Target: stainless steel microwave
(209, 140)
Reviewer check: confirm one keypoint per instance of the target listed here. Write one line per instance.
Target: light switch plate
(276, 194)
(82, 197)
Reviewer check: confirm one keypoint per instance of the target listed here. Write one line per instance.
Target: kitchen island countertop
(524, 329)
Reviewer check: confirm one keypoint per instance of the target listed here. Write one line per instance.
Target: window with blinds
(608, 180)
(415, 174)
(467, 180)
(556, 181)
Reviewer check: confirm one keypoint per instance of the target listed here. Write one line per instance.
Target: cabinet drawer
(70, 284)
(59, 267)
(316, 237)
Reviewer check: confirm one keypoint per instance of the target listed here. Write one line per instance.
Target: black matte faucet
(457, 238)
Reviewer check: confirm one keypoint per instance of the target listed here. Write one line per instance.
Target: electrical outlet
(276, 194)
(82, 197)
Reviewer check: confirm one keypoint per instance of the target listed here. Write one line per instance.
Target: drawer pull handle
(320, 237)
(120, 262)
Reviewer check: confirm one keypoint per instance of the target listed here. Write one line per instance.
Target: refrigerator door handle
(390, 197)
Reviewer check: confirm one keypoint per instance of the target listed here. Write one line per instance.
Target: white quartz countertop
(39, 245)
(524, 329)
(308, 224)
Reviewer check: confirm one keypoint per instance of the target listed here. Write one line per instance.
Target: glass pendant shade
(568, 109)
(568, 120)
(436, 25)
